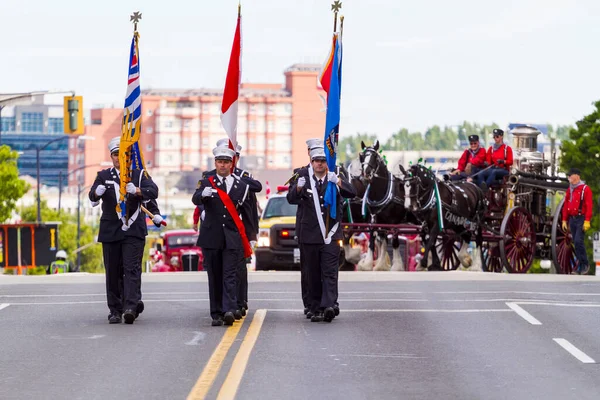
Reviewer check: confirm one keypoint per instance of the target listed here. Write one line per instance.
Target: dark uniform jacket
(310, 231)
(218, 231)
(249, 210)
(298, 172)
(110, 222)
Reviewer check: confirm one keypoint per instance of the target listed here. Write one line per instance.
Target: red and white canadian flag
(229, 106)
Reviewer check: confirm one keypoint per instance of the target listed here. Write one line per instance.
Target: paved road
(452, 335)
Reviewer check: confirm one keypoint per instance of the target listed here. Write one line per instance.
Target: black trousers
(322, 266)
(222, 267)
(123, 265)
(304, 277)
(242, 285)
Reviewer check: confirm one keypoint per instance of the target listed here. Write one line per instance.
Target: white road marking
(521, 292)
(379, 310)
(523, 314)
(575, 352)
(93, 337)
(4, 305)
(173, 294)
(545, 303)
(198, 337)
(376, 356)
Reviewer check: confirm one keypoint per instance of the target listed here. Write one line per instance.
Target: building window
(149, 129)
(252, 109)
(205, 124)
(8, 124)
(186, 124)
(186, 143)
(186, 158)
(32, 122)
(70, 158)
(204, 142)
(252, 126)
(169, 142)
(287, 108)
(270, 109)
(148, 147)
(270, 144)
(270, 126)
(55, 125)
(97, 122)
(168, 124)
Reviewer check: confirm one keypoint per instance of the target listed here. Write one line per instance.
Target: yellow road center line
(213, 366)
(234, 378)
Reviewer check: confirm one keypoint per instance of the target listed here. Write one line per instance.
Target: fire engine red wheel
(517, 245)
(448, 246)
(563, 250)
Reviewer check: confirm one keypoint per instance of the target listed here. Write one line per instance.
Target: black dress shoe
(318, 317)
(217, 322)
(243, 311)
(306, 310)
(329, 314)
(237, 314)
(336, 310)
(228, 318)
(114, 318)
(129, 316)
(309, 315)
(139, 309)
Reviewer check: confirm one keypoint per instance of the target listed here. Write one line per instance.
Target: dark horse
(462, 208)
(384, 197)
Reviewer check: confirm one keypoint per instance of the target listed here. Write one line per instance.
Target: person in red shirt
(470, 162)
(577, 211)
(500, 157)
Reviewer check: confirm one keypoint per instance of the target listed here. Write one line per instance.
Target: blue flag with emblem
(332, 123)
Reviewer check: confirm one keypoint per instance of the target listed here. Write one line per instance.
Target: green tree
(91, 256)
(349, 146)
(11, 187)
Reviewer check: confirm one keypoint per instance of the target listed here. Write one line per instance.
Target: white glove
(207, 192)
(332, 177)
(130, 188)
(253, 244)
(202, 215)
(95, 203)
(100, 189)
(157, 219)
(301, 182)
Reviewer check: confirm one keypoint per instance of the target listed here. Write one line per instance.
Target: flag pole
(335, 7)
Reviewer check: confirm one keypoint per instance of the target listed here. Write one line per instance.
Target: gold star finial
(335, 7)
(135, 17)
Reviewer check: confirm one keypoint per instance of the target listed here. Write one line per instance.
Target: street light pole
(39, 207)
(78, 224)
(38, 149)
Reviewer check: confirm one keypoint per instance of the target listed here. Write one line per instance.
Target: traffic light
(73, 115)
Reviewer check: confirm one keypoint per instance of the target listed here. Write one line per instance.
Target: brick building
(181, 126)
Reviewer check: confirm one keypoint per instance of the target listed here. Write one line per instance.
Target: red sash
(234, 215)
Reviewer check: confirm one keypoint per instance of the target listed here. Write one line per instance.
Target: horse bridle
(422, 189)
(367, 161)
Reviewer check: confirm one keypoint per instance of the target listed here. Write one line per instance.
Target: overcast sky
(406, 64)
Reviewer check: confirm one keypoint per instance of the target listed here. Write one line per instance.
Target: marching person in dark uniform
(303, 172)
(122, 243)
(249, 215)
(577, 213)
(222, 235)
(319, 233)
(471, 162)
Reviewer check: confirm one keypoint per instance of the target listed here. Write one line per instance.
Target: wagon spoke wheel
(517, 246)
(563, 250)
(448, 246)
(490, 254)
